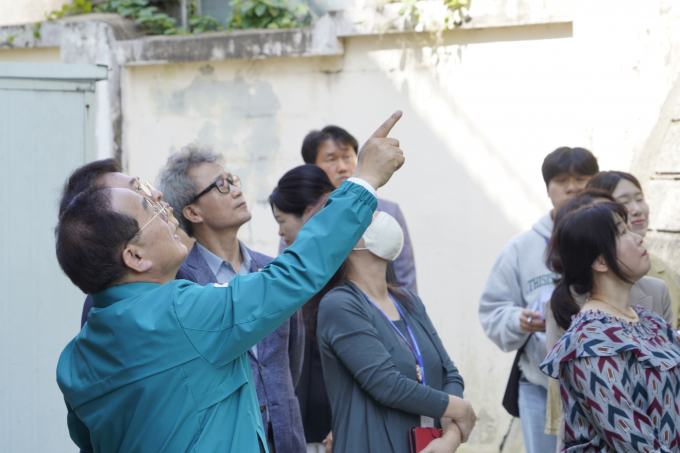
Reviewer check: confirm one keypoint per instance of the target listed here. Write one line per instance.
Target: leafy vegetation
(245, 14)
(462, 8)
(457, 12)
(204, 23)
(158, 23)
(271, 14)
(77, 7)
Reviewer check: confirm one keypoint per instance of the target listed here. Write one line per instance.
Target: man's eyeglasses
(223, 185)
(147, 189)
(159, 211)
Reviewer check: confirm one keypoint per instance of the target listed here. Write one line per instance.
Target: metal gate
(46, 131)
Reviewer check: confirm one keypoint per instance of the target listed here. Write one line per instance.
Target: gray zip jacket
(517, 280)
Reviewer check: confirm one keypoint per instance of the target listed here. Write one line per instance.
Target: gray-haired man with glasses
(211, 208)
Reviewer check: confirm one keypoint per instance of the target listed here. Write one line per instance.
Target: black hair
(608, 180)
(580, 238)
(85, 177)
(300, 188)
(571, 160)
(583, 198)
(311, 143)
(90, 238)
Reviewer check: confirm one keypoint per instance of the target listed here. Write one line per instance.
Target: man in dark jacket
(211, 208)
(335, 151)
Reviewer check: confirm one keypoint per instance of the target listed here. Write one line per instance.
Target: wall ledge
(219, 46)
(386, 19)
(325, 38)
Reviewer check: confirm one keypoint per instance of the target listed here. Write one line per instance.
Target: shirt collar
(215, 262)
(117, 293)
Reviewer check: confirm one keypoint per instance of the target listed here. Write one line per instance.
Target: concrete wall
(481, 107)
(27, 11)
(31, 55)
(480, 113)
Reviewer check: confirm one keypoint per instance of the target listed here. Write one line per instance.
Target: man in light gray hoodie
(512, 304)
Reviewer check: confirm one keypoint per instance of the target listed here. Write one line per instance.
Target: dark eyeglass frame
(232, 180)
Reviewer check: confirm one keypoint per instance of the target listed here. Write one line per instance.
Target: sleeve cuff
(364, 184)
(454, 389)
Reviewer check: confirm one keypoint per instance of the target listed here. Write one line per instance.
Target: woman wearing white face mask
(626, 189)
(385, 368)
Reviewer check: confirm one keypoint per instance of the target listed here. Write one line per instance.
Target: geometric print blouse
(619, 383)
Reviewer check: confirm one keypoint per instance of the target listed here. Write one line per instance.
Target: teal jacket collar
(115, 294)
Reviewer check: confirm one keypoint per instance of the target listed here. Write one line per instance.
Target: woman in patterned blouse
(617, 364)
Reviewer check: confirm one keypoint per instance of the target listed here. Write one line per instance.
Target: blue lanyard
(420, 368)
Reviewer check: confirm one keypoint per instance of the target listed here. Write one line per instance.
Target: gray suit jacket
(404, 266)
(277, 368)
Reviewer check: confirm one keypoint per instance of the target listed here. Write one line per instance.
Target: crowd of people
(192, 341)
(592, 316)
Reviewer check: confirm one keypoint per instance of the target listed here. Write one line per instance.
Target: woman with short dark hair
(294, 198)
(626, 189)
(301, 193)
(617, 364)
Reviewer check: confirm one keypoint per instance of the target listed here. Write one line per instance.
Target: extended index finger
(387, 126)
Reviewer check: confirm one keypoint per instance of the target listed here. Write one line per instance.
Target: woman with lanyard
(385, 367)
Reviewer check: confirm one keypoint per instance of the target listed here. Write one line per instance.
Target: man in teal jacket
(161, 365)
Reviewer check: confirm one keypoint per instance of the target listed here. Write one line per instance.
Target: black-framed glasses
(223, 185)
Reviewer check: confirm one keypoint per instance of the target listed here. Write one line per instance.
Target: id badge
(426, 422)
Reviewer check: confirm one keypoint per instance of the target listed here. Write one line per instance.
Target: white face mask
(384, 237)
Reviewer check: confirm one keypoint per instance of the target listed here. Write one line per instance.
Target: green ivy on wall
(156, 23)
(272, 14)
(457, 12)
(462, 8)
(245, 14)
(77, 7)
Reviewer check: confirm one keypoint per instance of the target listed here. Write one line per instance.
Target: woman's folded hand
(461, 412)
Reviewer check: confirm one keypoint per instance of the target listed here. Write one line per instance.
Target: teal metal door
(46, 131)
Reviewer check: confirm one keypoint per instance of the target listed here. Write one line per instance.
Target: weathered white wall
(480, 113)
(27, 11)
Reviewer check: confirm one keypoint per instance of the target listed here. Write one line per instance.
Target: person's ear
(308, 213)
(133, 258)
(192, 214)
(600, 265)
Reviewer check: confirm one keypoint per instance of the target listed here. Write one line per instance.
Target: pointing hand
(380, 156)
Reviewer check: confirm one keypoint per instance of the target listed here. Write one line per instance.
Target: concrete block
(664, 196)
(669, 158)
